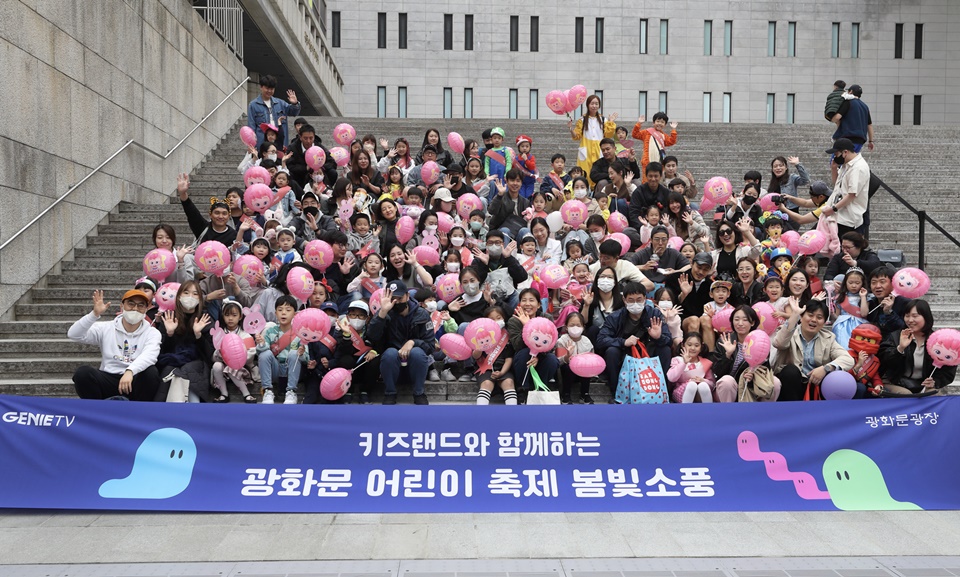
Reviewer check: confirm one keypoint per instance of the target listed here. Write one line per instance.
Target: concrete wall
(82, 78)
(621, 72)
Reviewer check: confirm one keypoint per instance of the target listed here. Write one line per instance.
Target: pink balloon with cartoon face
(315, 157)
(707, 206)
(344, 212)
(248, 136)
(259, 197)
(404, 229)
(617, 222)
(455, 347)
(768, 322)
(911, 283)
(253, 320)
(624, 241)
(756, 348)
(375, 301)
(675, 243)
(431, 240)
(340, 155)
(587, 365)
(944, 348)
(574, 213)
(430, 172)
(318, 254)
(455, 142)
(256, 175)
(811, 242)
(310, 325)
(468, 203)
(554, 276)
(717, 190)
(233, 351)
(335, 384)
(300, 283)
(767, 204)
(557, 101)
(721, 320)
(426, 255)
(482, 334)
(159, 263)
(540, 335)
(791, 238)
(248, 266)
(577, 95)
(167, 296)
(212, 257)
(344, 134)
(445, 222)
(448, 287)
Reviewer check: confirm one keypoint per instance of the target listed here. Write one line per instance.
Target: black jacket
(896, 366)
(300, 172)
(751, 297)
(601, 169)
(642, 198)
(868, 260)
(395, 330)
(502, 208)
(694, 302)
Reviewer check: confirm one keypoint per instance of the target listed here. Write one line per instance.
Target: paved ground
(68, 537)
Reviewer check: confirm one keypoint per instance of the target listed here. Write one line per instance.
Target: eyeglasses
(134, 306)
(744, 269)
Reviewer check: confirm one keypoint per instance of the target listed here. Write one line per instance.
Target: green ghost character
(855, 483)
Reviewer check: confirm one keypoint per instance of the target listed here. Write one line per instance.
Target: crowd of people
(680, 270)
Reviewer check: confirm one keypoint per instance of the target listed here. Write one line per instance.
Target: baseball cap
(146, 282)
(359, 305)
(720, 283)
(329, 306)
(820, 188)
(842, 144)
(703, 258)
(524, 138)
(454, 168)
(430, 148)
(397, 287)
(856, 90)
(134, 293)
(498, 131)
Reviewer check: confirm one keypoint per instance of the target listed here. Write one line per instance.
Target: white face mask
(357, 324)
(495, 251)
(456, 240)
(665, 305)
(596, 236)
(634, 308)
(575, 332)
(453, 267)
(430, 228)
(431, 306)
(605, 284)
(271, 157)
(501, 323)
(471, 288)
(580, 192)
(133, 317)
(189, 303)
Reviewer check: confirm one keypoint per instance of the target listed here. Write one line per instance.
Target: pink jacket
(681, 372)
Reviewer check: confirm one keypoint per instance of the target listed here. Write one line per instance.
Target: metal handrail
(129, 143)
(924, 219)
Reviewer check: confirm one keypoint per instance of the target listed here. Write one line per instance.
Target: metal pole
(922, 214)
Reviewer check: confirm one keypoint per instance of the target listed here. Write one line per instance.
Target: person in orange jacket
(655, 140)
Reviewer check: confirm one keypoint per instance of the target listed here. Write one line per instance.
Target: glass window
(468, 32)
(512, 113)
(534, 104)
(448, 102)
(898, 41)
(534, 34)
(335, 29)
(771, 108)
(706, 106)
(855, 40)
(514, 33)
(381, 101)
(663, 102)
(448, 31)
(726, 106)
(917, 109)
(664, 30)
(643, 36)
(642, 103)
(468, 102)
(728, 38)
(598, 36)
(402, 102)
(771, 38)
(897, 108)
(578, 35)
(402, 36)
(791, 101)
(382, 30)
(708, 37)
(835, 40)
(791, 39)
(918, 46)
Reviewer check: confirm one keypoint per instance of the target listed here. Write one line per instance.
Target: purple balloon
(838, 386)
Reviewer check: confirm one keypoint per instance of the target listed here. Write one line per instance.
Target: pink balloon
(791, 238)
(811, 242)
(911, 283)
(574, 213)
(426, 255)
(445, 222)
(767, 204)
(577, 95)
(315, 157)
(248, 266)
(756, 348)
(455, 142)
(404, 229)
(248, 136)
(721, 321)
(258, 197)
(617, 222)
(587, 365)
(483, 334)
(256, 175)
(540, 335)
(340, 155)
(375, 301)
(253, 320)
(335, 384)
(345, 211)
(624, 241)
(768, 322)
(167, 296)
(430, 172)
(318, 254)
(159, 263)
(718, 189)
(300, 283)
(468, 203)
(675, 242)
(448, 287)
(557, 101)
(310, 325)
(233, 351)
(944, 348)
(555, 276)
(430, 239)
(212, 258)
(707, 206)
(344, 134)
(455, 347)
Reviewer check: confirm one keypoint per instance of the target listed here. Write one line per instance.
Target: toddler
(573, 343)
(231, 313)
(693, 375)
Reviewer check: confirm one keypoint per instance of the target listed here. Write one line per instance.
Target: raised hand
(656, 328)
(686, 287)
(183, 185)
(509, 249)
(480, 255)
(291, 97)
(674, 125)
(99, 307)
(863, 292)
(729, 344)
(614, 116)
(199, 324)
(906, 337)
(386, 302)
(642, 119)
(630, 176)
(170, 322)
(384, 143)
(794, 303)
(793, 160)
(523, 316)
(501, 187)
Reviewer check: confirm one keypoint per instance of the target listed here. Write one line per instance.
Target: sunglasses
(725, 232)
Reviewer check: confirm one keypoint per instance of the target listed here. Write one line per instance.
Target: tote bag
(641, 379)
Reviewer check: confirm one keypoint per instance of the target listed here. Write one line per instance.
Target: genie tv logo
(38, 419)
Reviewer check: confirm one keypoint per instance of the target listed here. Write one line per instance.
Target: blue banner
(850, 455)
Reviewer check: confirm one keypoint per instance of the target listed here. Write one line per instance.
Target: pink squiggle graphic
(748, 446)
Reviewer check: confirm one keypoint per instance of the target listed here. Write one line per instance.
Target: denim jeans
(547, 366)
(270, 366)
(418, 363)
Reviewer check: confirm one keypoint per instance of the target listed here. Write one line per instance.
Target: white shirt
(854, 178)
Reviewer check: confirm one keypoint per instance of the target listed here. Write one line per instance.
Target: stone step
(39, 386)
(114, 263)
(92, 278)
(46, 347)
(140, 228)
(71, 309)
(79, 294)
(60, 367)
(138, 239)
(38, 328)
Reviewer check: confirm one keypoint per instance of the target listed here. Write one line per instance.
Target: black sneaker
(389, 399)
(565, 400)
(585, 399)
(612, 401)
(364, 399)
(418, 400)
(346, 399)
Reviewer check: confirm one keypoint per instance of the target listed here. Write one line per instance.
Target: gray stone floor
(39, 537)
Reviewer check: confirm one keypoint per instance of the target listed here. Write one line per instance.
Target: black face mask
(312, 210)
(748, 200)
(839, 159)
(400, 308)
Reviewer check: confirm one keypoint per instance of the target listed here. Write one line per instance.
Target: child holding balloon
(573, 343)
(231, 315)
(495, 368)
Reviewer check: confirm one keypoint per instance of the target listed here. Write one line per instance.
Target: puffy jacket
(395, 330)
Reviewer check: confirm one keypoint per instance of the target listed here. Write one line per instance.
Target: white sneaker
(447, 375)
(467, 378)
(433, 375)
(290, 398)
(267, 397)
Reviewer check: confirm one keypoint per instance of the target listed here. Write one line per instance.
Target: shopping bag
(541, 393)
(641, 379)
(179, 389)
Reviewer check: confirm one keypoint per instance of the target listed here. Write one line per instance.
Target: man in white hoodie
(129, 346)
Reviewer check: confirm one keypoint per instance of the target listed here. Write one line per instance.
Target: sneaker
(565, 400)
(585, 399)
(420, 400)
(290, 398)
(364, 399)
(267, 397)
(433, 375)
(389, 399)
(347, 399)
(447, 375)
(466, 378)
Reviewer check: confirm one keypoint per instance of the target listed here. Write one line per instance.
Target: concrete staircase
(37, 359)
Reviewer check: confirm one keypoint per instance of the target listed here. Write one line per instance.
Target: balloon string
(874, 308)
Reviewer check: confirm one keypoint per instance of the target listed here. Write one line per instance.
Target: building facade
(699, 60)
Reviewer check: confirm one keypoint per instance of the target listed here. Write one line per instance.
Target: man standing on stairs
(265, 109)
(217, 228)
(129, 346)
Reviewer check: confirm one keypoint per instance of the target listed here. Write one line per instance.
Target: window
(448, 102)
(599, 94)
(448, 31)
(512, 105)
(726, 106)
(708, 37)
(578, 35)
(642, 103)
(917, 108)
(897, 108)
(771, 108)
(728, 38)
(514, 33)
(706, 106)
(918, 47)
(835, 40)
(771, 38)
(382, 30)
(643, 36)
(855, 40)
(402, 36)
(381, 101)
(402, 102)
(791, 39)
(335, 29)
(598, 37)
(534, 104)
(468, 32)
(468, 102)
(663, 102)
(898, 41)
(534, 34)
(664, 29)
(791, 102)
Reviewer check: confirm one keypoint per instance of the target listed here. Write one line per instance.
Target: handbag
(641, 380)
(759, 389)
(541, 393)
(179, 390)
(828, 226)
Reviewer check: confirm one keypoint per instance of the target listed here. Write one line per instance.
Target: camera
(775, 199)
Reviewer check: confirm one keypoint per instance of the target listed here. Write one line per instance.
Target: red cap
(524, 138)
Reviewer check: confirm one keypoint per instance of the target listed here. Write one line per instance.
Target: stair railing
(129, 143)
(924, 218)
